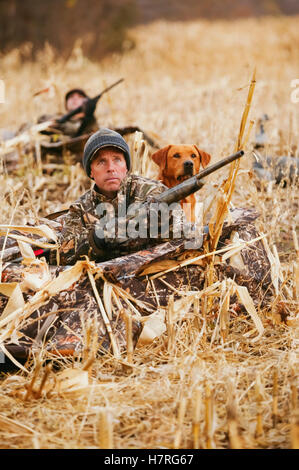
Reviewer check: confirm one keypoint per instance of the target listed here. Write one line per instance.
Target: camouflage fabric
(76, 127)
(253, 271)
(72, 127)
(61, 322)
(80, 222)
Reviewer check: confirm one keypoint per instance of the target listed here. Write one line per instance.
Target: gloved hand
(96, 242)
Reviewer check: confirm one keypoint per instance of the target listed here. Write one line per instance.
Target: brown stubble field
(184, 83)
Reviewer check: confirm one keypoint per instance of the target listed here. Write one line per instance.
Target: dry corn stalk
(90, 344)
(235, 439)
(25, 137)
(30, 387)
(295, 430)
(138, 144)
(227, 189)
(113, 340)
(295, 240)
(259, 419)
(296, 281)
(170, 324)
(11, 425)
(197, 402)
(209, 416)
(275, 398)
(181, 415)
(105, 434)
(294, 392)
(42, 386)
(296, 267)
(41, 230)
(154, 326)
(224, 310)
(129, 337)
(196, 312)
(13, 291)
(72, 381)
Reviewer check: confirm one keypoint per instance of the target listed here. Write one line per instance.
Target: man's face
(108, 169)
(74, 101)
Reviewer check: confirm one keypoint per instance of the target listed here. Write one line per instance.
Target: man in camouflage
(107, 161)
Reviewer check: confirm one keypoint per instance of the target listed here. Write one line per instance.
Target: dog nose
(188, 165)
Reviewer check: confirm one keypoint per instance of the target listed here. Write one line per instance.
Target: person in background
(79, 124)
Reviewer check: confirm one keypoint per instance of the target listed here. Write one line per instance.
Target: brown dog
(178, 163)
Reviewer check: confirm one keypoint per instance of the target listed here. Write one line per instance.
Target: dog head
(179, 162)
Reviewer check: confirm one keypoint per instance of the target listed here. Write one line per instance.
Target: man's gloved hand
(98, 244)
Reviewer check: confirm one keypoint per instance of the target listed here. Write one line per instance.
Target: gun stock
(193, 184)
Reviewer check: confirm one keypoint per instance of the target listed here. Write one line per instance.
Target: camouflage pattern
(79, 223)
(60, 324)
(254, 273)
(72, 126)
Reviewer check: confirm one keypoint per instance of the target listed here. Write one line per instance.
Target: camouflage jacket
(80, 222)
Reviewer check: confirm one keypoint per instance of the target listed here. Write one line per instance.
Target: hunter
(82, 123)
(115, 193)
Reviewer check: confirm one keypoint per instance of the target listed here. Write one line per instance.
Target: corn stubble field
(188, 387)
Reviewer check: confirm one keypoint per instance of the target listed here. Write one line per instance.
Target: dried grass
(203, 376)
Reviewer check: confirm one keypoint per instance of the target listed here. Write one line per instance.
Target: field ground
(184, 83)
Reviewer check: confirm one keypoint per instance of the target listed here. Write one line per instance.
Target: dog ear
(160, 156)
(204, 157)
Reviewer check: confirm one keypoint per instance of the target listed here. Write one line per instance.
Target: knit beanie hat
(104, 138)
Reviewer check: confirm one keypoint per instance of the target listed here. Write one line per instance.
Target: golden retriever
(178, 163)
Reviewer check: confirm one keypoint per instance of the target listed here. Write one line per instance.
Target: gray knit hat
(104, 138)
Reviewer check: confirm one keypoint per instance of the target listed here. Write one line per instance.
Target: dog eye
(193, 155)
(176, 155)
